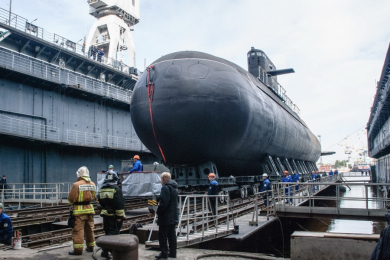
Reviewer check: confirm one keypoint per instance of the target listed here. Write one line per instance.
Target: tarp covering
(137, 184)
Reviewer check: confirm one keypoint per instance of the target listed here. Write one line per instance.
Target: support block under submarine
(200, 114)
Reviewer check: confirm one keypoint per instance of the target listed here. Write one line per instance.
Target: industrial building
(378, 126)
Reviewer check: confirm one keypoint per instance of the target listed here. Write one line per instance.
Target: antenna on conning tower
(111, 30)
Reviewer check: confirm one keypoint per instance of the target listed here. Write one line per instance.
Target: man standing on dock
(266, 187)
(80, 196)
(295, 178)
(168, 217)
(213, 191)
(3, 186)
(113, 207)
(287, 189)
(313, 179)
(6, 230)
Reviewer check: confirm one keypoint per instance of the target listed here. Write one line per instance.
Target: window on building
(258, 53)
(253, 54)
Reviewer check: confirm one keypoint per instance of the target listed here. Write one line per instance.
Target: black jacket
(3, 183)
(167, 211)
(111, 199)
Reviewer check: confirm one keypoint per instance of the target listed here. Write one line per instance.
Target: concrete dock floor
(144, 254)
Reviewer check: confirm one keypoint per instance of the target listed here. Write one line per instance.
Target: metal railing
(125, 143)
(34, 193)
(267, 197)
(20, 127)
(29, 65)
(192, 214)
(84, 138)
(271, 82)
(360, 202)
(22, 24)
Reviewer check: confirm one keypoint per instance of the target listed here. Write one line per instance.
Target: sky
(337, 48)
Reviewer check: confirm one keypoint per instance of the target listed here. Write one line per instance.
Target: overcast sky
(337, 48)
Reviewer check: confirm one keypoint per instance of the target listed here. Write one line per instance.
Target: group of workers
(94, 52)
(111, 201)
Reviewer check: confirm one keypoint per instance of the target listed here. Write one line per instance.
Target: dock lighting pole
(34, 20)
(319, 137)
(10, 9)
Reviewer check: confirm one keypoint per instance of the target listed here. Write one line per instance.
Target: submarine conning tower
(258, 60)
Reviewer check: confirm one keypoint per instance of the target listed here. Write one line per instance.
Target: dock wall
(320, 245)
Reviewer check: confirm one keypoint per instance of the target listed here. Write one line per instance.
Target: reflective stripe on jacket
(84, 190)
(111, 199)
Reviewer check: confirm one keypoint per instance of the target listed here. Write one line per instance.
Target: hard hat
(82, 171)
(1, 206)
(111, 177)
(136, 157)
(111, 167)
(285, 172)
(265, 175)
(211, 174)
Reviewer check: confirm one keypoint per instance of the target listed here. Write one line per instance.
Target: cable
(281, 228)
(234, 255)
(345, 137)
(93, 254)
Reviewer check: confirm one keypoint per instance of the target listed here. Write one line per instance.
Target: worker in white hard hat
(80, 196)
(266, 186)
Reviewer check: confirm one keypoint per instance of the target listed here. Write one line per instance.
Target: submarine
(200, 113)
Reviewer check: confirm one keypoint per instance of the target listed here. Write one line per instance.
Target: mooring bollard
(121, 246)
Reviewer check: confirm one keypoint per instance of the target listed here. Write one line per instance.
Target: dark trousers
(111, 227)
(212, 205)
(167, 234)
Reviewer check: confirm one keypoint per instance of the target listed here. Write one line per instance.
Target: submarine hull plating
(205, 108)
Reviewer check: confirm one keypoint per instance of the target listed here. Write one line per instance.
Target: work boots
(75, 252)
(89, 249)
(172, 255)
(161, 256)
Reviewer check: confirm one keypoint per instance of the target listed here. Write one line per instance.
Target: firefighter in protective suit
(112, 202)
(80, 196)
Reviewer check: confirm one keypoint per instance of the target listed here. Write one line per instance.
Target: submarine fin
(280, 72)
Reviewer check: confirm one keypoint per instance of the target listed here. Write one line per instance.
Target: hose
(233, 255)
(281, 228)
(93, 254)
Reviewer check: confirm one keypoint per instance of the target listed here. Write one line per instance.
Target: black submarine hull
(205, 108)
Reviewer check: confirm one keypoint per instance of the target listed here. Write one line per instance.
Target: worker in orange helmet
(212, 191)
(137, 166)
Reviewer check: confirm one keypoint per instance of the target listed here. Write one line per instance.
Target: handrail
(274, 85)
(204, 215)
(307, 191)
(38, 193)
(22, 24)
(51, 72)
(24, 128)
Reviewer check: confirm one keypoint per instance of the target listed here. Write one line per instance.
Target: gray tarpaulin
(137, 184)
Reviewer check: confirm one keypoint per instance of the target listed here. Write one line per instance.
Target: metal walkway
(368, 201)
(197, 223)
